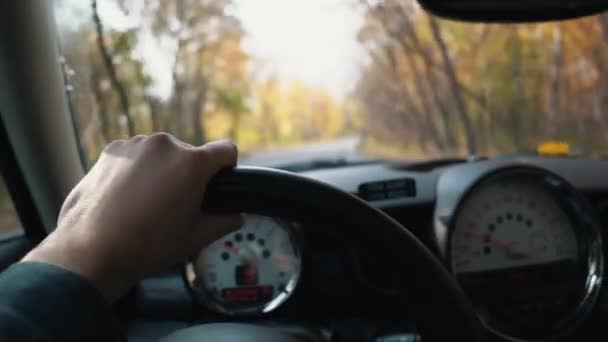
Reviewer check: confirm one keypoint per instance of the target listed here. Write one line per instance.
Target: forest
(429, 87)
(483, 89)
(218, 89)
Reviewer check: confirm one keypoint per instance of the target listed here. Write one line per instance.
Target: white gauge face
(510, 224)
(252, 270)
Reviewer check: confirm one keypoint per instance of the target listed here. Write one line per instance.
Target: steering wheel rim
(442, 309)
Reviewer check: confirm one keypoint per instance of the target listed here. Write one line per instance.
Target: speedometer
(511, 225)
(527, 253)
(252, 270)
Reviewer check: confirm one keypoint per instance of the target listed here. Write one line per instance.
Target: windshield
(327, 81)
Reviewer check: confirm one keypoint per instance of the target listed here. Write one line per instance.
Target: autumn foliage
(429, 87)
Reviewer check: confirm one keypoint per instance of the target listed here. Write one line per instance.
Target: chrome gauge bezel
(591, 256)
(206, 299)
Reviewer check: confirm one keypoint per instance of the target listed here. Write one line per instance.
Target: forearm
(42, 302)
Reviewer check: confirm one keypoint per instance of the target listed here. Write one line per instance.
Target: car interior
(498, 248)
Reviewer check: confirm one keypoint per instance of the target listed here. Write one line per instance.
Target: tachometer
(252, 270)
(527, 253)
(511, 225)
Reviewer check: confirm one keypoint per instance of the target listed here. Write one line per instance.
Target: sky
(313, 41)
(309, 40)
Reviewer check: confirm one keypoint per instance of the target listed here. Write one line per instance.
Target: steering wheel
(442, 311)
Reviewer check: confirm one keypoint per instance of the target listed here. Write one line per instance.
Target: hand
(137, 211)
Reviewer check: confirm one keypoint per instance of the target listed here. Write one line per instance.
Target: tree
(495, 88)
(216, 89)
(233, 102)
(199, 29)
(456, 91)
(110, 69)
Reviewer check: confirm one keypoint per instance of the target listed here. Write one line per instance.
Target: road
(346, 147)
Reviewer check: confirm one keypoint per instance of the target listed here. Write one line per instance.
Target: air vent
(389, 189)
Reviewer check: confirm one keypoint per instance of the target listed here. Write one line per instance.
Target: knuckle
(161, 141)
(208, 156)
(138, 138)
(233, 146)
(204, 152)
(201, 157)
(184, 165)
(161, 138)
(199, 162)
(118, 142)
(114, 145)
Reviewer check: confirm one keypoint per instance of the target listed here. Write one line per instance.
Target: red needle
(231, 249)
(501, 244)
(472, 231)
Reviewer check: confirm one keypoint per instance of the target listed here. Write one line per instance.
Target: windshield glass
(329, 81)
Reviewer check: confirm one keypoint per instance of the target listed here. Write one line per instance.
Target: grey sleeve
(42, 302)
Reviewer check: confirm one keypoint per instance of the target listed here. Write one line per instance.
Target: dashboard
(523, 237)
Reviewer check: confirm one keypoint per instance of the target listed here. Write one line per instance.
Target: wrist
(82, 259)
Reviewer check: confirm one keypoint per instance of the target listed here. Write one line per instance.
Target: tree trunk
(154, 107)
(428, 85)
(201, 84)
(461, 106)
(109, 65)
(434, 89)
(425, 126)
(518, 107)
(101, 107)
(554, 113)
(446, 143)
(271, 131)
(603, 60)
(177, 98)
(198, 109)
(236, 125)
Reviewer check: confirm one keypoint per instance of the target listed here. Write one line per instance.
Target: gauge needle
(472, 231)
(507, 247)
(500, 244)
(284, 262)
(231, 249)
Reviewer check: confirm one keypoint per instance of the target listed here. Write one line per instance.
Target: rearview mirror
(513, 10)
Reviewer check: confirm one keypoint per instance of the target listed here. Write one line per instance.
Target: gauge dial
(527, 253)
(252, 270)
(509, 225)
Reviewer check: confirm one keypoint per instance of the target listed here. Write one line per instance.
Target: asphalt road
(346, 148)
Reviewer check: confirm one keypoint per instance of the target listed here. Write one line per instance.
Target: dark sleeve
(41, 302)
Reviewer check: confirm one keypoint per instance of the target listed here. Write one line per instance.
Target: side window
(9, 221)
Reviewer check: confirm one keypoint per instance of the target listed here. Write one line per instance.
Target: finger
(218, 155)
(137, 138)
(69, 202)
(168, 139)
(213, 227)
(179, 142)
(115, 146)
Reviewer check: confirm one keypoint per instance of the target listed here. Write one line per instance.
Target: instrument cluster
(526, 251)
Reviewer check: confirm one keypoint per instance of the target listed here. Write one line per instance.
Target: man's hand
(138, 210)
